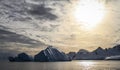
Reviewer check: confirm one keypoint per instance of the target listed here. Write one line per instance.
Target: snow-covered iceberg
(51, 54)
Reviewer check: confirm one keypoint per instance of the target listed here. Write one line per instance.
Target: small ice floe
(113, 58)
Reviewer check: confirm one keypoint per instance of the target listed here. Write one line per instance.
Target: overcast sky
(53, 24)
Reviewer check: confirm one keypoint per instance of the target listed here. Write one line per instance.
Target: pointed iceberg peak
(99, 49)
(22, 57)
(52, 48)
(83, 51)
(49, 47)
(117, 46)
(51, 54)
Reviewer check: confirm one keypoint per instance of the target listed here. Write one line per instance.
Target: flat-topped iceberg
(113, 58)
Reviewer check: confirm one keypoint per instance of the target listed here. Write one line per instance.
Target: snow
(51, 54)
(113, 57)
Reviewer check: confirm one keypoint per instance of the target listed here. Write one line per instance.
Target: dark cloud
(3, 27)
(21, 11)
(12, 43)
(14, 10)
(41, 12)
(6, 36)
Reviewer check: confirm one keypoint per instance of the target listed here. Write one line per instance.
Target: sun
(89, 14)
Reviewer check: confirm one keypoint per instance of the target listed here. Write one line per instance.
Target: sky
(32, 25)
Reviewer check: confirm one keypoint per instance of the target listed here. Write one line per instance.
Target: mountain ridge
(51, 54)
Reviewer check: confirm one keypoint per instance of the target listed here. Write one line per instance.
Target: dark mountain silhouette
(22, 57)
(51, 54)
(98, 54)
(71, 55)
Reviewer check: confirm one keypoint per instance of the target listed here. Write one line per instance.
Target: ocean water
(73, 65)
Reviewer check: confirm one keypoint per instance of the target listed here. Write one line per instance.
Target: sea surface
(73, 65)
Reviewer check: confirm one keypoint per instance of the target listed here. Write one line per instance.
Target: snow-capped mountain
(51, 54)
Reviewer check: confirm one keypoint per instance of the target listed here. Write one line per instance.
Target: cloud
(12, 43)
(21, 11)
(52, 24)
(41, 12)
(6, 36)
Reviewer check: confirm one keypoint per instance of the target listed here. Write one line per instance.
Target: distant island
(51, 54)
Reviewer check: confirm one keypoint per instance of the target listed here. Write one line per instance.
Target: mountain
(22, 57)
(98, 54)
(113, 51)
(71, 55)
(51, 54)
(86, 56)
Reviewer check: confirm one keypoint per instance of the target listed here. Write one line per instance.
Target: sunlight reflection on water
(86, 64)
(73, 65)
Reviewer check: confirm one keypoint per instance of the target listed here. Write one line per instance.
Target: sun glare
(89, 14)
(87, 64)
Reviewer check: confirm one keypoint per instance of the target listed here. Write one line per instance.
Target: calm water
(74, 65)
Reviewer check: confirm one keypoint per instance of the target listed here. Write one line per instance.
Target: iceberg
(22, 57)
(113, 58)
(51, 54)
